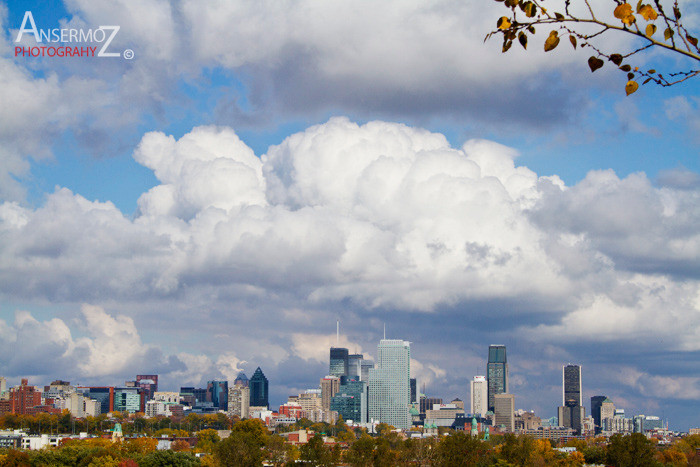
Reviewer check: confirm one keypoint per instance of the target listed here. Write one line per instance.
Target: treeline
(251, 444)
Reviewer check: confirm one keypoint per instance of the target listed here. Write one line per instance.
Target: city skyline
(247, 175)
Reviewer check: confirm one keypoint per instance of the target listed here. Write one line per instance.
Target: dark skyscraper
(217, 394)
(496, 373)
(571, 413)
(258, 389)
(414, 390)
(596, 404)
(339, 362)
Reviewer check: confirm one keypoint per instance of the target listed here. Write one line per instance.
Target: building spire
(337, 332)
(384, 331)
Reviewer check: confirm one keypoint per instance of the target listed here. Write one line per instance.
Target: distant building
(128, 399)
(338, 362)
(571, 413)
(504, 413)
(104, 395)
(607, 412)
(596, 402)
(241, 380)
(366, 365)
(496, 373)
(389, 391)
(354, 366)
(479, 396)
(239, 400)
(23, 398)
(217, 394)
(350, 401)
(414, 391)
(192, 396)
(329, 386)
(259, 389)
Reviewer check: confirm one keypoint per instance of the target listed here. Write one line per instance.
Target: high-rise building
(258, 385)
(414, 391)
(127, 399)
(496, 373)
(350, 401)
(607, 412)
(389, 390)
(238, 400)
(339, 362)
(329, 386)
(479, 392)
(102, 394)
(24, 397)
(366, 365)
(241, 380)
(504, 411)
(571, 413)
(354, 366)
(217, 394)
(596, 402)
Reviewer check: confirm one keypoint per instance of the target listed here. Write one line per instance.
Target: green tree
(243, 447)
(656, 24)
(315, 452)
(633, 450)
(168, 459)
(459, 449)
(207, 440)
(361, 452)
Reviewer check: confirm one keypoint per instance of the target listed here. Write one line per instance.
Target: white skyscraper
(389, 387)
(480, 394)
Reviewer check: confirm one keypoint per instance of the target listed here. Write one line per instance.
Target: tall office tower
(339, 362)
(479, 391)
(389, 390)
(414, 391)
(3, 387)
(329, 386)
(571, 413)
(607, 413)
(241, 380)
(217, 394)
(24, 397)
(354, 366)
(351, 401)
(238, 400)
(596, 402)
(366, 365)
(504, 413)
(258, 389)
(496, 373)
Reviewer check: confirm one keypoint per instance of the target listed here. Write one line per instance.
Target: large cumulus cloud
(375, 223)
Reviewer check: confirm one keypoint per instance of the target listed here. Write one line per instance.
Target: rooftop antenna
(384, 331)
(337, 332)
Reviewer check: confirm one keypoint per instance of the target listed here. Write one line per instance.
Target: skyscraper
(217, 394)
(354, 366)
(496, 373)
(504, 411)
(258, 389)
(339, 362)
(571, 413)
(479, 391)
(596, 403)
(389, 390)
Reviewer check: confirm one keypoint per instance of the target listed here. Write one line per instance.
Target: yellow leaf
(552, 41)
(624, 13)
(503, 23)
(648, 12)
(631, 87)
(668, 33)
(651, 29)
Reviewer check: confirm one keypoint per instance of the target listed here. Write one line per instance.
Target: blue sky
(257, 172)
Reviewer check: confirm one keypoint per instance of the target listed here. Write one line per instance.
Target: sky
(257, 171)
